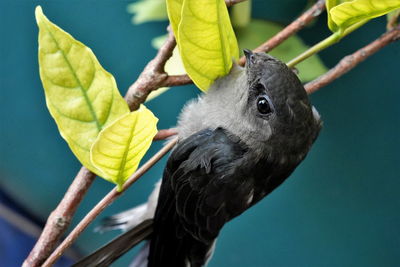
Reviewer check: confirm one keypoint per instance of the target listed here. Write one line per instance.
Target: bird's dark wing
(204, 186)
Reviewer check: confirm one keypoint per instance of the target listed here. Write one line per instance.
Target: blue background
(340, 207)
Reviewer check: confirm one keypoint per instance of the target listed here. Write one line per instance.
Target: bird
(236, 144)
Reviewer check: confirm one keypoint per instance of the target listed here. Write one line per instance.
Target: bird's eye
(263, 105)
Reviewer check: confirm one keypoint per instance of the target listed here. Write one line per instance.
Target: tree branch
(350, 61)
(177, 80)
(164, 134)
(152, 76)
(105, 202)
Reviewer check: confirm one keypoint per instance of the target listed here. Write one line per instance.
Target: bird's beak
(249, 56)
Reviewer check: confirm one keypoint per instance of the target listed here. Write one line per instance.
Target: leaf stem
(330, 40)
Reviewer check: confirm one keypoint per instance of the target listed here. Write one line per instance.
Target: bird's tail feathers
(113, 250)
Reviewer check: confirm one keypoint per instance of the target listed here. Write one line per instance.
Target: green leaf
(350, 13)
(148, 10)
(81, 96)
(329, 5)
(119, 148)
(206, 41)
(258, 31)
(174, 10)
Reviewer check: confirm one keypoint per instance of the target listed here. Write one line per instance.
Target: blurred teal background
(341, 206)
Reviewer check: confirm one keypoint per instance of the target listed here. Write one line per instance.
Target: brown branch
(105, 202)
(291, 29)
(165, 134)
(152, 76)
(350, 61)
(177, 80)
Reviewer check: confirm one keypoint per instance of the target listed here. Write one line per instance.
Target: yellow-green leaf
(81, 96)
(206, 41)
(119, 148)
(174, 9)
(350, 13)
(329, 5)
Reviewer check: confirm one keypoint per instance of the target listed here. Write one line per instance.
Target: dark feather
(113, 250)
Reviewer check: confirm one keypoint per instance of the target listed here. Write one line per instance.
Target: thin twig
(291, 29)
(105, 202)
(350, 61)
(165, 134)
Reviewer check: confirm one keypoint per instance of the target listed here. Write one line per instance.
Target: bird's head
(266, 105)
(278, 105)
